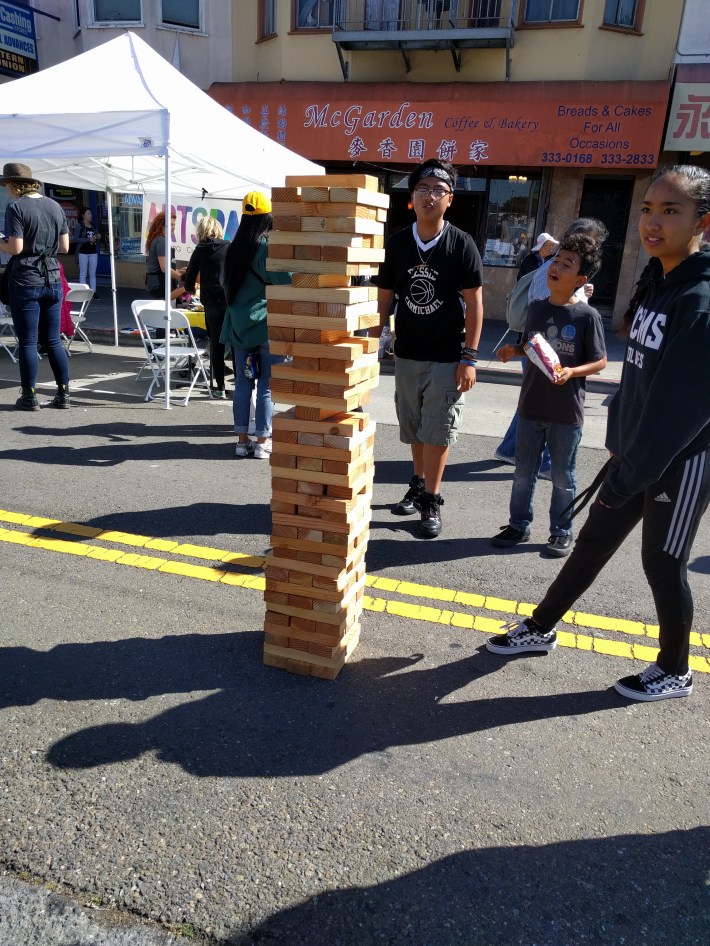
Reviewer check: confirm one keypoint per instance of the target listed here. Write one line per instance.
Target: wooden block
(307, 280)
(304, 307)
(285, 193)
(301, 238)
(310, 488)
(297, 252)
(282, 461)
(291, 221)
(346, 254)
(358, 195)
(332, 224)
(283, 252)
(349, 296)
(325, 208)
(279, 334)
(278, 307)
(366, 181)
(315, 193)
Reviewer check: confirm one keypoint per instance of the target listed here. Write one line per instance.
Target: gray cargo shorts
(427, 401)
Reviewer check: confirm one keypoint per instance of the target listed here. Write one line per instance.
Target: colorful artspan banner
(531, 124)
(188, 213)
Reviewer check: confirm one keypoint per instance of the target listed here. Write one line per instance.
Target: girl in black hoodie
(658, 433)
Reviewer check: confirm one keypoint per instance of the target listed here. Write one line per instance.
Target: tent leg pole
(168, 267)
(112, 257)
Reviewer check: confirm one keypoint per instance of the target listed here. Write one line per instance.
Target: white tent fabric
(138, 125)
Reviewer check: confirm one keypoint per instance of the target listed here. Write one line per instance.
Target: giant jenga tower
(326, 230)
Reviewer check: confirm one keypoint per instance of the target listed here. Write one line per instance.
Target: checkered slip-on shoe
(520, 638)
(655, 684)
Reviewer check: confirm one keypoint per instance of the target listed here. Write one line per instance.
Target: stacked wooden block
(326, 231)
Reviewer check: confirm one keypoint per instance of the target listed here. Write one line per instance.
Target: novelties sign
(531, 124)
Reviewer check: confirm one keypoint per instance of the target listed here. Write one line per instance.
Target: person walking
(35, 231)
(207, 265)
(658, 434)
(435, 271)
(86, 239)
(244, 328)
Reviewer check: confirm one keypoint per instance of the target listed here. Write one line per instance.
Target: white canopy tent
(138, 126)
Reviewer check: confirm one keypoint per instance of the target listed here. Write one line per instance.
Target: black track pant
(671, 510)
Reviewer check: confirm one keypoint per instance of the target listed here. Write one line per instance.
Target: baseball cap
(256, 203)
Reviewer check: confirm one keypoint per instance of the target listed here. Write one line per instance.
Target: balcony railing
(423, 24)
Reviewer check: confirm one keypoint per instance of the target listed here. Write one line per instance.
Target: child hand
(563, 376)
(505, 353)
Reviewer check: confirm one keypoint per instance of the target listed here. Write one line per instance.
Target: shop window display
(510, 221)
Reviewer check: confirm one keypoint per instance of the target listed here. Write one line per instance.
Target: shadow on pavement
(634, 889)
(261, 722)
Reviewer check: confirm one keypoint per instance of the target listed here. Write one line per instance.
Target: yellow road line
(403, 609)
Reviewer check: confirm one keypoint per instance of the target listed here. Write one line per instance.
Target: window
(117, 11)
(182, 13)
(510, 223)
(314, 14)
(267, 18)
(623, 14)
(552, 11)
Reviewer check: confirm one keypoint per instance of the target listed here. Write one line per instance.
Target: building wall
(204, 57)
(585, 52)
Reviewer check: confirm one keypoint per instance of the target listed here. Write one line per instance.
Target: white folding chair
(80, 296)
(7, 331)
(184, 353)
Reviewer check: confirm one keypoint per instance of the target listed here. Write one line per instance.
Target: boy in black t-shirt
(434, 270)
(553, 411)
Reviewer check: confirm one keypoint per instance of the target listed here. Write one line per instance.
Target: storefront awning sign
(615, 125)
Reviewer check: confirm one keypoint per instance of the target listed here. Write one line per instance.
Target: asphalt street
(160, 785)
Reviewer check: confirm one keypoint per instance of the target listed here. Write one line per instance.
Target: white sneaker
(244, 449)
(262, 451)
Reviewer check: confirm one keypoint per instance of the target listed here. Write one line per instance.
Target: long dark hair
(695, 183)
(240, 253)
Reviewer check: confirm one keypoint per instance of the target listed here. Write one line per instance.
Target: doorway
(609, 200)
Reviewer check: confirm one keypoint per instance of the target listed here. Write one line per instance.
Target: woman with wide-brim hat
(35, 231)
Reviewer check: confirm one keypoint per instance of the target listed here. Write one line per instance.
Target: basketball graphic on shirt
(421, 292)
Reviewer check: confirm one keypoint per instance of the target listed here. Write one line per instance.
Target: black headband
(440, 173)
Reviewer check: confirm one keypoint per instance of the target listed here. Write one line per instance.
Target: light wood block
(331, 224)
(366, 181)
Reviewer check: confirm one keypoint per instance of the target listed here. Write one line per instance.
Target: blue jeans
(243, 388)
(563, 442)
(36, 313)
(507, 445)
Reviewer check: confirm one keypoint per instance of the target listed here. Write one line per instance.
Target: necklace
(429, 248)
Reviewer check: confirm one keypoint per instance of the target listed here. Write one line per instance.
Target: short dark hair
(590, 226)
(588, 250)
(432, 165)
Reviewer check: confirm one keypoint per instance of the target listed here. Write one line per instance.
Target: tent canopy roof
(132, 107)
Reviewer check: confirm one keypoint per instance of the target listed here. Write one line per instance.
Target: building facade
(550, 109)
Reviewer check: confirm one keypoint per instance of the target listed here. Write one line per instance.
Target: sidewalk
(99, 328)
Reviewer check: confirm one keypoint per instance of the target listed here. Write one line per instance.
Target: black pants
(670, 510)
(214, 318)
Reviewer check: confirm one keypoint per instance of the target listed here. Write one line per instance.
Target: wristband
(468, 363)
(470, 352)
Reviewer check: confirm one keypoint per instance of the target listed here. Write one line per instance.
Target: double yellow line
(626, 639)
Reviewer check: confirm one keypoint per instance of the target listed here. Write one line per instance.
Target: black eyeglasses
(436, 192)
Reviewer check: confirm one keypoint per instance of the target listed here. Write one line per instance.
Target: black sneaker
(410, 503)
(655, 684)
(558, 546)
(510, 536)
(522, 637)
(430, 504)
(61, 398)
(27, 401)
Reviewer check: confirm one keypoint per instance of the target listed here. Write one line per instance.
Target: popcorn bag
(541, 354)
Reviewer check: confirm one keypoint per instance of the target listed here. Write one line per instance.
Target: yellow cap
(256, 203)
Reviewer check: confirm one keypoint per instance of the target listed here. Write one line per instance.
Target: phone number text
(569, 157)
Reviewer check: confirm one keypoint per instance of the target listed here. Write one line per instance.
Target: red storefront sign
(689, 115)
(530, 124)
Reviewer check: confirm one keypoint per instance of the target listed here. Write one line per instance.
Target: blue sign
(18, 41)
